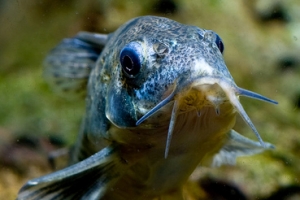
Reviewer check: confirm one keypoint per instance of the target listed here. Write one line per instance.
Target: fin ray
(89, 179)
(68, 66)
(237, 145)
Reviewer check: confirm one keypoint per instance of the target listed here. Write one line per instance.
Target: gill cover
(120, 111)
(120, 108)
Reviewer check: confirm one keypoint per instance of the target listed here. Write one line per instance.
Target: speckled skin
(186, 44)
(114, 101)
(177, 61)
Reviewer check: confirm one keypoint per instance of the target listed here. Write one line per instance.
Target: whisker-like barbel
(253, 95)
(157, 107)
(239, 108)
(171, 127)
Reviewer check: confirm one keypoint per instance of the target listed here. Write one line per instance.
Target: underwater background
(262, 52)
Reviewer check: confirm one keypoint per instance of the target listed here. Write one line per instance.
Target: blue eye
(130, 59)
(219, 43)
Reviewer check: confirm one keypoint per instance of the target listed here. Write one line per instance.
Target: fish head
(158, 69)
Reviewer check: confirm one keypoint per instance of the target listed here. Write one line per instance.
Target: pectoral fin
(68, 66)
(88, 179)
(237, 145)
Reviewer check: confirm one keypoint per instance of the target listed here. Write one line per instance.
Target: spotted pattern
(182, 48)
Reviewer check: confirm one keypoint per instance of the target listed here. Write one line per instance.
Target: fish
(160, 102)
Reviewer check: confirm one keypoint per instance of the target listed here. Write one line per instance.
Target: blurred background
(262, 52)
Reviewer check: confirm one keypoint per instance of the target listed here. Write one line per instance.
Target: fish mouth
(205, 91)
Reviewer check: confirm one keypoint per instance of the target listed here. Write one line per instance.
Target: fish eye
(130, 59)
(219, 43)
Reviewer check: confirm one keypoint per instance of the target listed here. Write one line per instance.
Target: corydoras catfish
(160, 102)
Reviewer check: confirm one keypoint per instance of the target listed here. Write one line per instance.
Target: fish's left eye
(219, 43)
(130, 59)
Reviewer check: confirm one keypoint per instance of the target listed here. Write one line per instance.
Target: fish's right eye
(130, 59)
(219, 43)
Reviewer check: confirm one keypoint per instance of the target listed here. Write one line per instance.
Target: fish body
(160, 102)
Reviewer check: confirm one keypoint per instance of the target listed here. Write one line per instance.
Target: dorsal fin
(67, 67)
